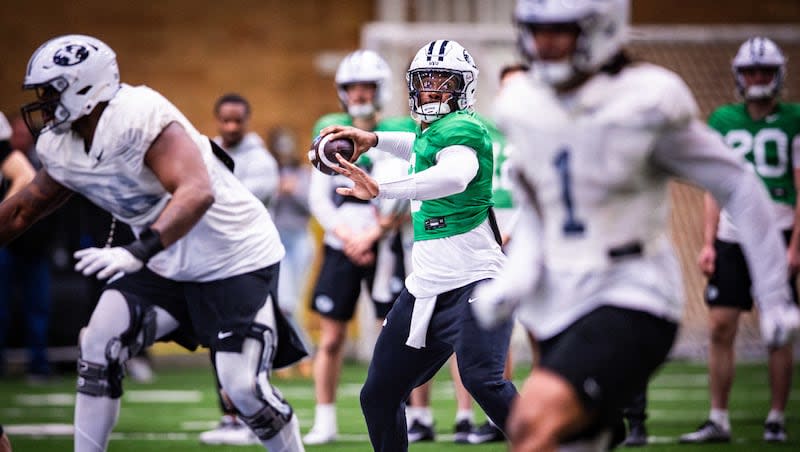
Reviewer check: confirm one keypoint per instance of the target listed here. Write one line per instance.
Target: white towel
(420, 319)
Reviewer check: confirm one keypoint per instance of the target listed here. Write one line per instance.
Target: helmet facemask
(761, 91)
(445, 90)
(47, 112)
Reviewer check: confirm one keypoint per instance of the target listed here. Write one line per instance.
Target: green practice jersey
(460, 212)
(501, 181)
(766, 144)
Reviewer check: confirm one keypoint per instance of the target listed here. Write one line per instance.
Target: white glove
(490, 305)
(106, 262)
(780, 324)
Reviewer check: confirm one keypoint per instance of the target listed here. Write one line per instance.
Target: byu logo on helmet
(70, 55)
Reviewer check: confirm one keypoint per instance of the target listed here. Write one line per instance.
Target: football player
(456, 245)
(255, 167)
(600, 284)
(363, 83)
(204, 266)
(765, 134)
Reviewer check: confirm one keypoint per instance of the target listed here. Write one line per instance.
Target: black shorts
(339, 286)
(145, 288)
(209, 308)
(608, 356)
(730, 285)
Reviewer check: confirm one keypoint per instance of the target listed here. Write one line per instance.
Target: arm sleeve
(399, 144)
(455, 167)
(319, 201)
(698, 155)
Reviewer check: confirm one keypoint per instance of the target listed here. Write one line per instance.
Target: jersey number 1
(572, 226)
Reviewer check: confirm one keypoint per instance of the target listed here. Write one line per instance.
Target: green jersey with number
(460, 212)
(766, 144)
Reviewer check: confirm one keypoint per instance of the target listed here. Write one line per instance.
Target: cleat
(486, 433)
(319, 436)
(420, 432)
(775, 432)
(637, 436)
(230, 431)
(708, 432)
(461, 431)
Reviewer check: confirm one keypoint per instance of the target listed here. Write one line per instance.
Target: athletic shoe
(708, 432)
(420, 432)
(230, 431)
(637, 436)
(775, 432)
(462, 430)
(139, 370)
(319, 436)
(486, 433)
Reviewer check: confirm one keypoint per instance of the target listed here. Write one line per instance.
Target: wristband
(148, 245)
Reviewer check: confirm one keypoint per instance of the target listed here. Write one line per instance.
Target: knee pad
(98, 380)
(105, 379)
(268, 421)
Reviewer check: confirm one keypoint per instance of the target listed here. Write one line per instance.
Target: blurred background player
(456, 245)
(23, 265)
(5, 444)
(765, 133)
(362, 84)
(290, 213)
(255, 167)
(608, 135)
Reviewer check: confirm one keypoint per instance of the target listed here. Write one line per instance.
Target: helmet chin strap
(432, 111)
(554, 73)
(759, 92)
(361, 111)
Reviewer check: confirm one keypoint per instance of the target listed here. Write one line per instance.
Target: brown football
(322, 154)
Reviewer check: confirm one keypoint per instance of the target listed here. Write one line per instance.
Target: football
(322, 154)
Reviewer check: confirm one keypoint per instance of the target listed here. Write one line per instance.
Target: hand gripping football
(322, 154)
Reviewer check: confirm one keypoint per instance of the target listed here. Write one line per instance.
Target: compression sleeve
(399, 144)
(698, 155)
(455, 167)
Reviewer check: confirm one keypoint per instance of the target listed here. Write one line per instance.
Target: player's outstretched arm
(177, 163)
(31, 203)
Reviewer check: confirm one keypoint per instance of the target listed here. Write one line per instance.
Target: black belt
(632, 249)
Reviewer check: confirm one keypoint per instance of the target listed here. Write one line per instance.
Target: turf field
(168, 414)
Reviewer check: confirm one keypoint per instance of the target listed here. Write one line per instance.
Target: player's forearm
(455, 168)
(710, 219)
(182, 212)
(398, 144)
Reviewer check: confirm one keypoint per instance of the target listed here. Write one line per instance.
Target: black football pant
(396, 368)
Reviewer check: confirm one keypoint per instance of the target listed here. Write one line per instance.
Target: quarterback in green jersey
(350, 245)
(456, 246)
(765, 132)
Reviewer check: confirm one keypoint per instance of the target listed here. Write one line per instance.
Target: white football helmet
(71, 75)
(364, 66)
(446, 67)
(602, 31)
(759, 52)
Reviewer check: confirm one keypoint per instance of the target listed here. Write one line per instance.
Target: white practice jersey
(599, 161)
(254, 166)
(235, 236)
